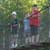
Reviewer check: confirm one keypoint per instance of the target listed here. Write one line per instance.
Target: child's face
(35, 8)
(27, 16)
(14, 16)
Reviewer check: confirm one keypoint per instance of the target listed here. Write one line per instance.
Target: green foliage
(20, 6)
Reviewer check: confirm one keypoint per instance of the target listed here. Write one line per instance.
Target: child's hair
(34, 5)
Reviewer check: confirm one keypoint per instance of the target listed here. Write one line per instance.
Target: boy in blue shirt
(26, 27)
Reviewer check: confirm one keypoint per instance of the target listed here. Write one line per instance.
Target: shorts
(14, 30)
(34, 30)
(27, 30)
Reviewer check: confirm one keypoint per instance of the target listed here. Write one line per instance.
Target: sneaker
(15, 45)
(12, 46)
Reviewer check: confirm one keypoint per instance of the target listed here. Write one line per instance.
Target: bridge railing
(6, 32)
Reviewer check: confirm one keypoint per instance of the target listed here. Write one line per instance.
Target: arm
(37, 14)
(10, 26)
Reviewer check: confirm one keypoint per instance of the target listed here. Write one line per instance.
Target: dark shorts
(14, 30)
(34, 30)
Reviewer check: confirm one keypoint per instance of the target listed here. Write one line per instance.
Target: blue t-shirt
(26, 24)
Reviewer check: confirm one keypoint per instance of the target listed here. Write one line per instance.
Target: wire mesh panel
(44, 25)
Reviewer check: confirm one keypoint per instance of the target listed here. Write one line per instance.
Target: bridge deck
(41, 45)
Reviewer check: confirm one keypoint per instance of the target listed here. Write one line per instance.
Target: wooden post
(3, 38)
(49, 21)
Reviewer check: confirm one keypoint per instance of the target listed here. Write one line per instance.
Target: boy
(35, 23)
(26, 27)
(14, 28)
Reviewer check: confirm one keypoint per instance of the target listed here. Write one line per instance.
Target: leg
(37, 38)
(28, 37)
(13, 37)
(12, 41)
(33, 39)
(33, 36)
(16, 41)
(36, 34)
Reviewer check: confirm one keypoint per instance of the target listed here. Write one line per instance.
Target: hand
(8, 23)
(34, 15)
